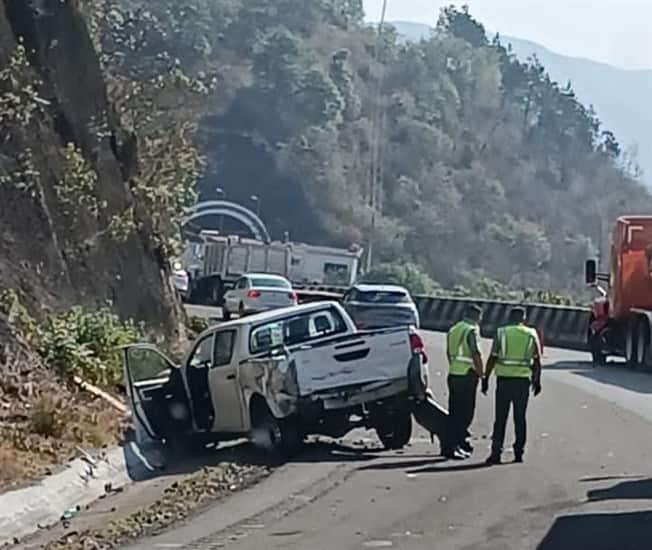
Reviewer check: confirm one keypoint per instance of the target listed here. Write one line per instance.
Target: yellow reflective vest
(517, 346)
(461, 357)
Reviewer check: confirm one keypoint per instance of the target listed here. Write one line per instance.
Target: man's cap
(518, 314)
(473, 310)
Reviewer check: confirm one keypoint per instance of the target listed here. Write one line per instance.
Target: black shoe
(467, 447)
(463, 453)
(456, 454)
(518, 458)
(493, 460)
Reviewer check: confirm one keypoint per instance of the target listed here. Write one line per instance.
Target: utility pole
(377, 130)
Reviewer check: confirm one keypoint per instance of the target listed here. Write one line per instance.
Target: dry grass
(42, 419)
(40, 432)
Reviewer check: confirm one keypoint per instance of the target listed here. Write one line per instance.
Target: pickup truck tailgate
(359, 358)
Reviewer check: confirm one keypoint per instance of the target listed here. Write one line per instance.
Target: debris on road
(179, 501)
(71, 513)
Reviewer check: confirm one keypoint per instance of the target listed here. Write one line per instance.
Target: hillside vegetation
(477, 166)
(619, 95)
(81, 253)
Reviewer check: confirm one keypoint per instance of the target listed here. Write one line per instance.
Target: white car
(257, 292)
(180, 280)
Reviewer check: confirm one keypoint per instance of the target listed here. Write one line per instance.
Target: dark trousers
(511, 391)
(462, 392)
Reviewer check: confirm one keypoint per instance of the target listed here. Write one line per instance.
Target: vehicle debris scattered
(179, 501)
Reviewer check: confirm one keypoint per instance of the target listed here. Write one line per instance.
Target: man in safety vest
(465, 369)
(515, 356)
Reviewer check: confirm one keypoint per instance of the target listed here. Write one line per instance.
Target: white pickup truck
(279, 376)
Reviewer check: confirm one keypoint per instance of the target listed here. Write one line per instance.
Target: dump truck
(214, 262)
(621, 316)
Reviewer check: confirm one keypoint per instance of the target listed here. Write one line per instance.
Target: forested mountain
(620, 96)
(473, 164)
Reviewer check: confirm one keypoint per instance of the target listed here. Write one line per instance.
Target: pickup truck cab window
(296, 329)
(223, 348)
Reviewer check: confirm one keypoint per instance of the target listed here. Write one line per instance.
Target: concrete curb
(25, 511)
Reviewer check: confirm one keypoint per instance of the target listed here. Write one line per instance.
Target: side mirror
(591, 272)
(278, 352)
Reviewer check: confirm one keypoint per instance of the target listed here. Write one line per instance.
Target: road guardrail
(563, 327)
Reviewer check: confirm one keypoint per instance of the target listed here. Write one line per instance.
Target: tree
(485, 165)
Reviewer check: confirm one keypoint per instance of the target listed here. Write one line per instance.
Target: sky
(618, 32)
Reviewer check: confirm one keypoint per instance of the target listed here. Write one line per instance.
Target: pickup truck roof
(274, 314)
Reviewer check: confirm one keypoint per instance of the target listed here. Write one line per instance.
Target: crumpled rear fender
(269, 380)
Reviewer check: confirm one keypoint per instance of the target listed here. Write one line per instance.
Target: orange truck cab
(621, 317)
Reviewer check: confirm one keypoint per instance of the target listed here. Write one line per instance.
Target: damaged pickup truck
(280, 376)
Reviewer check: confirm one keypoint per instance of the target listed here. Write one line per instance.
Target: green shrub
(409, 275)
(76, 342)
(47, 418)
(87, 344)
(195, 326)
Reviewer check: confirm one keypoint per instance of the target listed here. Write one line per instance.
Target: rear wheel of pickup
(394, 429)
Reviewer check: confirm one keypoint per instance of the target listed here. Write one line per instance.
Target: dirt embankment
(53, 253)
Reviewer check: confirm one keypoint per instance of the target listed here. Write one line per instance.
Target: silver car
(379, 306)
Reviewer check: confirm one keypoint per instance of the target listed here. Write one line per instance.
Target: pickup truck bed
(357, 359)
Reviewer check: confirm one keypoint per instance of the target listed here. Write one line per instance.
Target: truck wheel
(280, 439)
(631, 344)
(395, 429)
(216, 293)
(598, 355)
(643, 343)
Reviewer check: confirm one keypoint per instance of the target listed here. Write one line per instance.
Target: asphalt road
(586, 482)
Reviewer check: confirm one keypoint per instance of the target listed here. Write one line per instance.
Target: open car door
(156, 391)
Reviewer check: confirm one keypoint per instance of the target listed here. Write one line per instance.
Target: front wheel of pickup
(394, 429)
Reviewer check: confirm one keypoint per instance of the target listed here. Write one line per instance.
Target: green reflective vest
(461, 358)
(516, 348)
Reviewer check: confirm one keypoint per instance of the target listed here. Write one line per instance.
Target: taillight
(253, 294)
(416, 342)
(293, 296)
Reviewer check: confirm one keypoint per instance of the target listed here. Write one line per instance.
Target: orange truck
(621, 317)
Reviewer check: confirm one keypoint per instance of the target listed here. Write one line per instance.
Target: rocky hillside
(64, 167)
(71, 234)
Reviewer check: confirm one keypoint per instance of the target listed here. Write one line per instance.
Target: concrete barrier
(312, 295)
(562, 326)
